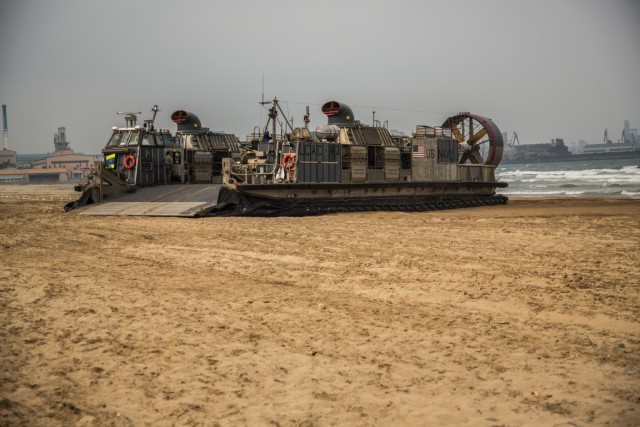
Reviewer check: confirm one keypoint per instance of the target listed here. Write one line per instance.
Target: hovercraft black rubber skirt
(235, 203)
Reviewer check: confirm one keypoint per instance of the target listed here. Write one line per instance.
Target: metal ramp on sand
(187, 200)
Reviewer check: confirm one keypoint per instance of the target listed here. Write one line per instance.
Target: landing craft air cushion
(343, 166)
(131, 178)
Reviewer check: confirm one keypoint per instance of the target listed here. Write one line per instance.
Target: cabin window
(134, 138)
(114, 140)
(148, 139)
(165, 139)
(124, 139)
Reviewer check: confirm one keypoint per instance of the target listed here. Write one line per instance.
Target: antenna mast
(273, 113)
(155, 111)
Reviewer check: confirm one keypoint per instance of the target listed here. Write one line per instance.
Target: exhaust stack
(339, 114)
(5, 130)
(186, 121)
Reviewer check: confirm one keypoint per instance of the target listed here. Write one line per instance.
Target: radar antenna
(130, 117)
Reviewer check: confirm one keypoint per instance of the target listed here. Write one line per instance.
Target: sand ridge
(525, 314)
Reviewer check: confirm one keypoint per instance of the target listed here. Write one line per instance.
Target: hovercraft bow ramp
(188, 200)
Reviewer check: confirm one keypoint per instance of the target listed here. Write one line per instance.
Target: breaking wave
(616, 178)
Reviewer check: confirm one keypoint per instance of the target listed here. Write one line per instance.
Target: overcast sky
(545, 68)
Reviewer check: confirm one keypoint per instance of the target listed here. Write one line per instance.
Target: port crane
(514, 140)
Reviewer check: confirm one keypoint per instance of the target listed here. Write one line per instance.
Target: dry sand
(525, 314)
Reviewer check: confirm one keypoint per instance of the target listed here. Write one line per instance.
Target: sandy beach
(520, 315)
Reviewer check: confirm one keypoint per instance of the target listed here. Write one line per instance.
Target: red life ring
(129, 162)
(288, 160)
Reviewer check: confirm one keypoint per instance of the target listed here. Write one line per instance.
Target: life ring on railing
(288, 160)
(129, 162)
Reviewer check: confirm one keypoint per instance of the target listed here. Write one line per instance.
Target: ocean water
(615, 178)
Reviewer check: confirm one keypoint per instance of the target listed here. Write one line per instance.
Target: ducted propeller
(479, 139)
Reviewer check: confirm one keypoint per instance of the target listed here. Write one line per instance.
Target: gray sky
(546, 68)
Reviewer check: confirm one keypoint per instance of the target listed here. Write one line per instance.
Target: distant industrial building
(610, 148)
(26, 161)
(63, 157)
(61, 166)
(7, 157)
(556, 150)
(627, 147)
(36, 176)
(629, 142)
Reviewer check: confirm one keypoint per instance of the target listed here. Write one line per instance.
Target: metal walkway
(186, 200)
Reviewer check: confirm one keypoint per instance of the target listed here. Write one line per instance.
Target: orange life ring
(288, 160)
(129, 162)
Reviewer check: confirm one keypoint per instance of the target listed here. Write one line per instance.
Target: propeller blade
(464, 158)
(476, 157)
(456, 132)
(477, 137)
